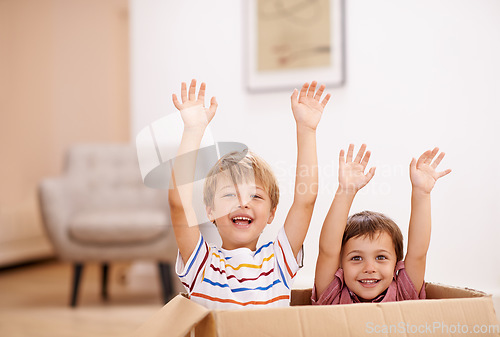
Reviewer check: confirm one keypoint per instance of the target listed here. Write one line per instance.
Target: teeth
(369, 281)
(241, 218)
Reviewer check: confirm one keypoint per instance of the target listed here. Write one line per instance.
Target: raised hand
(192, 109)
(423, 173)
(351, 172)
(306, 106)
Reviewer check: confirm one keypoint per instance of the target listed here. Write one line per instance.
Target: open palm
(192, 109)
(423, 173)
(351, 172)
(307, 107)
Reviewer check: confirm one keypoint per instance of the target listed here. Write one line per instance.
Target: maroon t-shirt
(400, 289)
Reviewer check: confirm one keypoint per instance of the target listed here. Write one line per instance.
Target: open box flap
(441, 291)
(175, 319)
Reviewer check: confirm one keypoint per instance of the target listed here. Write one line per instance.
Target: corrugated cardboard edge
(438, 317)
(442, 291)
(433, 290)
(445, 302)
(176, 319)
(181, 316)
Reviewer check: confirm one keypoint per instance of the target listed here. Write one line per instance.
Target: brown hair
(371, 223)
(240, 166)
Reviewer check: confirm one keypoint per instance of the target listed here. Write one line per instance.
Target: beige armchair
(100, 211)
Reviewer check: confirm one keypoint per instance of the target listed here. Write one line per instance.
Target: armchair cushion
(118, 227)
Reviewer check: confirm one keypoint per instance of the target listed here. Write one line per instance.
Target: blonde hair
(371, 223)
(239, 167)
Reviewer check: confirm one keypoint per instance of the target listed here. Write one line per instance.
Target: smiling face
(241, 212)
(369, 264)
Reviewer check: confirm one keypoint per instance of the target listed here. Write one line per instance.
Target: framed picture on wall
(290, 42)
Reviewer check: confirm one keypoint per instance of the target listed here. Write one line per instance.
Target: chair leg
(104, 281)
(166, 281)
(77, 273)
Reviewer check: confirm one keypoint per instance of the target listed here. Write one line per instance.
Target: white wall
(419, 74)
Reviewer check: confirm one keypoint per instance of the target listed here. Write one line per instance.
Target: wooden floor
(34, 302)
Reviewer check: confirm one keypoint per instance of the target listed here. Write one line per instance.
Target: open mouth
(242, 220)
(368, 282)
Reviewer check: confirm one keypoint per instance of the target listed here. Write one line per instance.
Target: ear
(271, 215)
(210, 213)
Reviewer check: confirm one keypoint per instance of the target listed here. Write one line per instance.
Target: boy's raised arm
(423, 176)
(196, 119)
(351, 179)
(307, 110)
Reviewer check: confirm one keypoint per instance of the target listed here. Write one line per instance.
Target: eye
(228, 195)
(381, 257)
(256, 196)
(356, 258)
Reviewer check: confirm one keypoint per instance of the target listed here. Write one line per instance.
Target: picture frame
(290, 42)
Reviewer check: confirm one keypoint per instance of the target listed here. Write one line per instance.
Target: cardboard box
(448, 311)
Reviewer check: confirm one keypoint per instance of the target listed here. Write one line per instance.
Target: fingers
(319, 92)
(413, 163)
(431, 156)
(213, 106)
(350, 150)
(443, 173)
(428, 156)
(183, 92)
(438, 160)
(361, 158)
(191, 94)
(341, 157)
(370, 174)
(303, 91)
(309, 91)
(192, 90)
(312, 89)
(427, 159)
(423, 158)
(201, 93)
(325, 100)
(361, 151)
(177, 104)
(294, 96)
(366, 158)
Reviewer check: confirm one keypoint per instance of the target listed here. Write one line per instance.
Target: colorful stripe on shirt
(236, 290)
(242, 279)
(243, 265)
(225, 300)
(222, 279)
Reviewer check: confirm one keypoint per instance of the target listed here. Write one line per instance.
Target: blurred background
(418, 74)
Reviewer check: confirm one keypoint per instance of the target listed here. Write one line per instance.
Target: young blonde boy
(361, 257)
(241, 195)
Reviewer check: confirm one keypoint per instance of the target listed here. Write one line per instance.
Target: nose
(243, 201)
(369, 267)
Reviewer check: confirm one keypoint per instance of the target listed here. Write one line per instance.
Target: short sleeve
(191, 272)
(405, 287)
(286, 262)
(332, 293)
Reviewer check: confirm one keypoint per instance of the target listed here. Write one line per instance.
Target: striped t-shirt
(240, 278)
